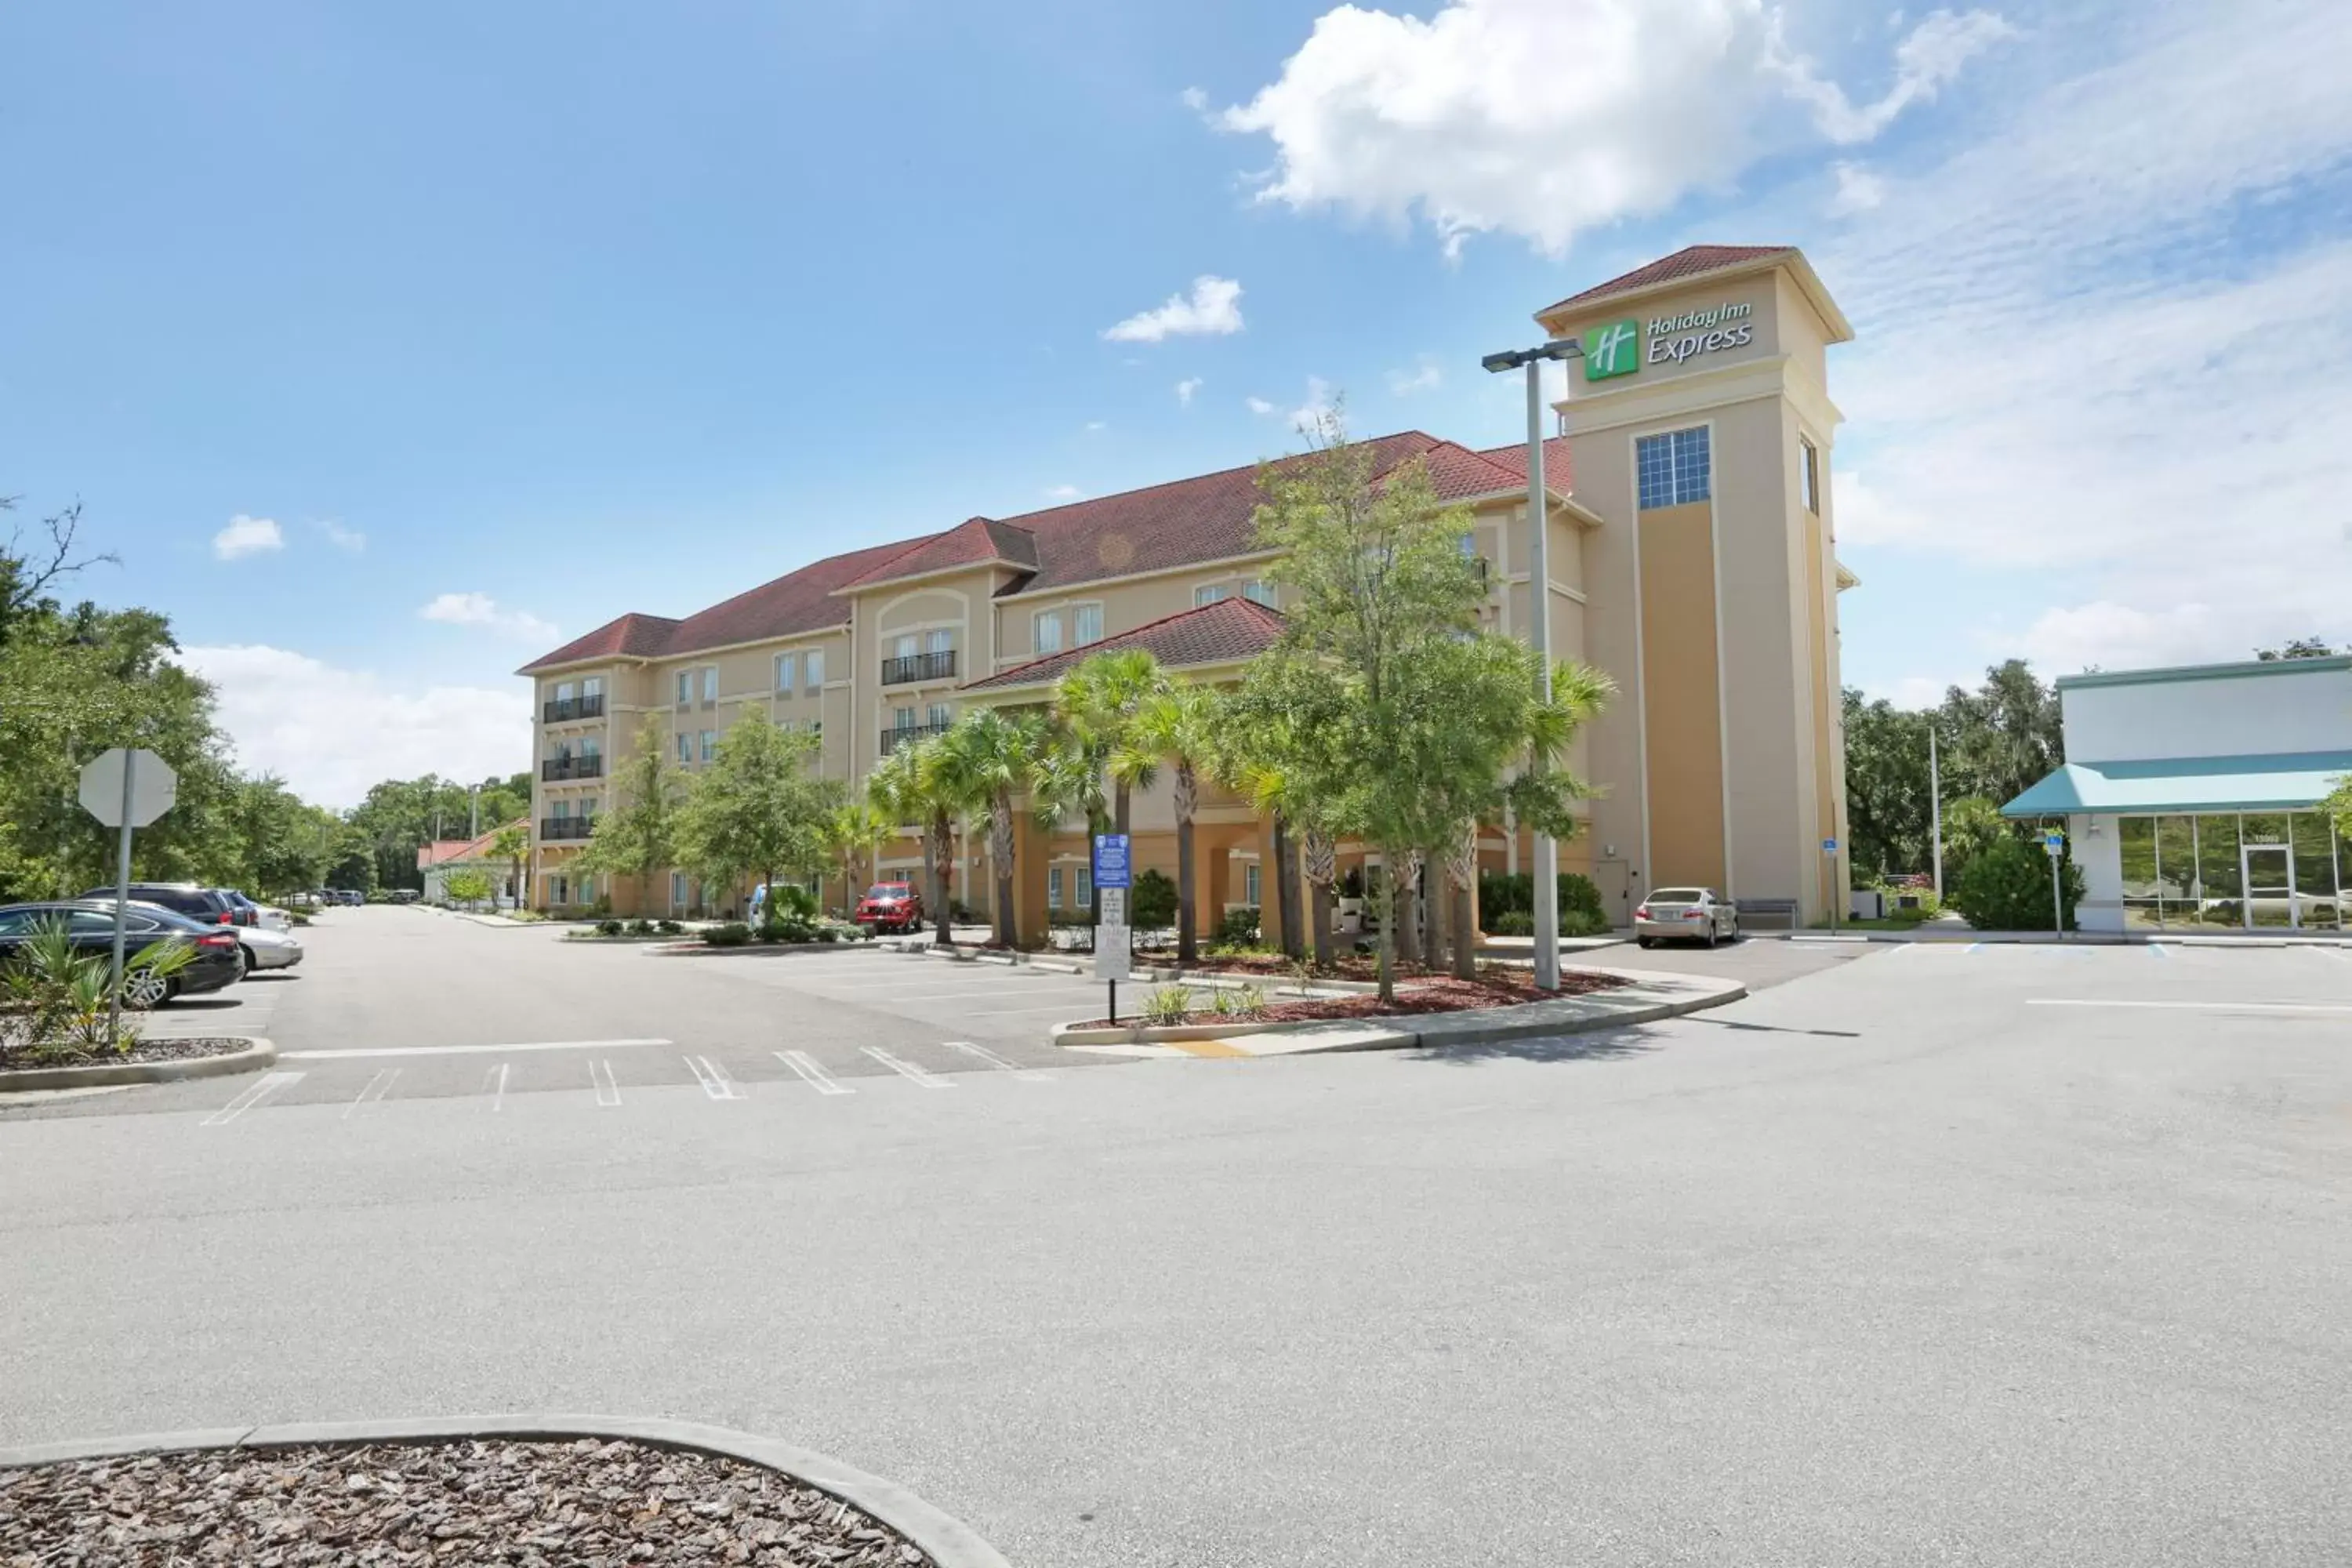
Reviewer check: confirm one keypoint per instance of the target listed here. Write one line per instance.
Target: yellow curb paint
(1206, 1048)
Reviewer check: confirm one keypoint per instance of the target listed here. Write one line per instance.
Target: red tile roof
(1515, 458)
(1226, 632)
(1690, 261)
(442, 851)
(1183, 522)
(970, 542)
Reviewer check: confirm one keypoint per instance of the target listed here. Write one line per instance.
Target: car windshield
(1677, 895)
(882, 891)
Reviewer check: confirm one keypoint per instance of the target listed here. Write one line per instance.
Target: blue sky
(526, 315)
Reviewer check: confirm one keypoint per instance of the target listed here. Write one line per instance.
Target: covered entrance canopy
(2285, 782)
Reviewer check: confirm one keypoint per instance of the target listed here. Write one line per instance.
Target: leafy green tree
(468, 886)
(857, 832)
(1176, 725)
(1152, 903)
(908, 787)
(2007, 887)
(1068, 781)
(757, 810)
(984, 760)
(1887, 799)
(1972, 825)
(511, 844)
(639, 835)
(2003, 738)
(1096, 704)
(2297, 648)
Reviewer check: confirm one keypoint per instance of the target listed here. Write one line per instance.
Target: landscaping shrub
(1152, 903)
(666, 928)
(54, 996)
(734, 933)
(1166, 1004)
(2007, 887)
(1238, 929)
(1506, 902)
(641, 927)
(608, 928)
(1512, 922)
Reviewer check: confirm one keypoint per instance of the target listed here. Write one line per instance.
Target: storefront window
(2136, 845)
(2176, 865)
(2314, 869)
(2217, 871)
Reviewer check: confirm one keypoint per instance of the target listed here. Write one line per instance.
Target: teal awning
(2291, 780)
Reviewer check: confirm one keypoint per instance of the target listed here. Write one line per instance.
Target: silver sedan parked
(1686, 914)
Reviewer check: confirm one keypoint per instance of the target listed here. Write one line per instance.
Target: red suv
(890, 906)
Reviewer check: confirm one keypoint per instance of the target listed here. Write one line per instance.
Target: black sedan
(217, 961)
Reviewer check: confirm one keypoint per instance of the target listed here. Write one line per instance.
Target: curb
(1016, 960)
(1433, 1030)
(671, 947)
(259, 1053)
(949, 1541)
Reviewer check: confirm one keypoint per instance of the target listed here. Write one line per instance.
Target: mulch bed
(1431, 994)
(172, 1050)
(588, 1504)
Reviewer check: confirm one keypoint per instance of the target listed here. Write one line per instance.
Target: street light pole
(1546, 879)
(1936, 810)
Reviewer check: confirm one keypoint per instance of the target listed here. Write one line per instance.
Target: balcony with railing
(557, 829)
(563, 710)
(556, 770)
(908, 734)
(901, 668)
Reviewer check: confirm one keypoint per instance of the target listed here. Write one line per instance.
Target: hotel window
(684, 747)
(1209, 594)
(1047, 635)
(906, 646)
(684, 687)
(1249, 883)
(591, 747)
(941, 641)
(1258, 591)
(816, 731)
(563, 809)
(902, 718)
(592, 688)
(939, 718)
(1085, 885)
(677, 889)
(563, 690)
(1673, 467)
(709, 685)
(788, 673)
(561, 893)
(814, 667)
(1086, 625)
(1054, 889)
(709, 745)
(1808, 476)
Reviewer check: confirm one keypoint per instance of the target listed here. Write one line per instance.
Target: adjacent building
(2191, 795)
(1692, 558)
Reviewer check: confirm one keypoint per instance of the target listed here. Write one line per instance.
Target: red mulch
(1433, 994)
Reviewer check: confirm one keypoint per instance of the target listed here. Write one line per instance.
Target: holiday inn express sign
(1621, 348)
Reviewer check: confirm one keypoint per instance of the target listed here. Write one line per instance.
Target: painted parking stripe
(494, 1084)
(1976, 947)
(907, 1070)
(2158, 950)
(463, 1050)
(713, 1078)
(999, 1063)
(600, 1076)
(268, 1084)
(376, 1090)
(814, 1075)
(2193, 1006)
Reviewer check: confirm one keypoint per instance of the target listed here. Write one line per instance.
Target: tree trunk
(1286, 888)
(1188, 942)
(1404, 901)
(1388, 927)
(1119, 797)
(1322, 864)
(1461, 867)
(1436, 911)
(1318, 910)
(1000, 851)
(935, 873)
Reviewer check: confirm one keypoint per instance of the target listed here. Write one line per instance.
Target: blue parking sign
(1111, 860)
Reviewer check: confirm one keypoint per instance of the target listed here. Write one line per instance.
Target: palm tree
(1096, 703)
(1067, 782)
(855, 829)
(900, 789)
(982, 762)
(510, 844)
(1177, 724)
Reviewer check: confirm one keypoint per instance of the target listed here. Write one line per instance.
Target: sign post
(1837, 895)
(1113, 944)
(125, 789)
(2053, 844)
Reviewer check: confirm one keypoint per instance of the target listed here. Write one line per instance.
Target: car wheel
(1645, 941)
(246, 955)
(143, 988)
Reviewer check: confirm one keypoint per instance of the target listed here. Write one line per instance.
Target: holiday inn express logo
(1612, 350)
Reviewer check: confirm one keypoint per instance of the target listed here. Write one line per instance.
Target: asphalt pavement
(2016, 1256)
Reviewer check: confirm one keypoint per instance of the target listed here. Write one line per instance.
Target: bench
(1784, 910)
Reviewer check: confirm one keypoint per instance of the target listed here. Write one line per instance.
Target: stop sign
(154, 786)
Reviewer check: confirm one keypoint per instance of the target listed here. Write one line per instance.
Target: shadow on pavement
(1599, 1045)
(1777, 1029)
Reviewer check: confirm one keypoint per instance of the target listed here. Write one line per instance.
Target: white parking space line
(268, 1084)
(901, 995)
(2193, 1006)
(1006, 1011)
(999, 1063)
(811, 1073)
(600, 1077)
(376, 1090)
(494, 1084)
(713, 1078)
(906, 1069)
(463, 1050)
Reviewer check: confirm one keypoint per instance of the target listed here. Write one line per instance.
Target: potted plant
(1350, 903)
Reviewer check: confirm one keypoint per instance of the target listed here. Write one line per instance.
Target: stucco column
(1032, 849)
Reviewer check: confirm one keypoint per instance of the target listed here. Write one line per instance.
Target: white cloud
(481, 610)
(342, 538)
(1421, 378)
(2073, 369)
(247, 536)
(332, 732)
(1257, 405)
(1194, 99)
(1543, 118)
(1212, 308)
(1185, 389)
(1065, 492)
(1096, 427)
(1321, 402)
(1858, 190)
